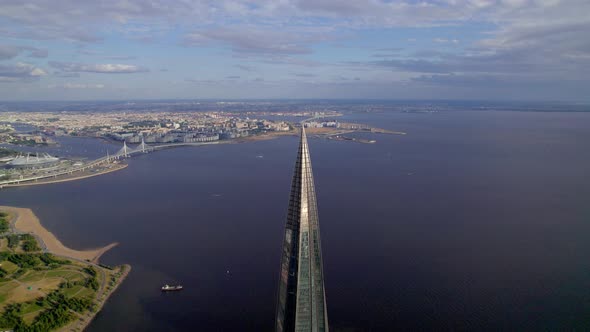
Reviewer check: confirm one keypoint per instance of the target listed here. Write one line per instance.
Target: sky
(536, 50)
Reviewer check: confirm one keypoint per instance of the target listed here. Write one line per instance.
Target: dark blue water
(72, 147)
(472, 221)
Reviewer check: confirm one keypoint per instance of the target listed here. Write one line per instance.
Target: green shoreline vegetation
(3, 222)
(43, 292)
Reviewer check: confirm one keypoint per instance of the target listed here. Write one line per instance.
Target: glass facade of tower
(301, 304)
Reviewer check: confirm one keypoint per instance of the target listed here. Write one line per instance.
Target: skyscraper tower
(301, 301)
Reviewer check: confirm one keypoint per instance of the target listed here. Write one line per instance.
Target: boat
(168, 288)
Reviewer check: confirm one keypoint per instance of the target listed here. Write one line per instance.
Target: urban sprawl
(152, 127)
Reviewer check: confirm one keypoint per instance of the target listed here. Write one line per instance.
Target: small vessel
(168, 288)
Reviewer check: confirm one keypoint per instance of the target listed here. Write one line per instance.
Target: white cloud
(20, 72)
(76, 86)
(97, 68)
(445, 41)
(250, 39)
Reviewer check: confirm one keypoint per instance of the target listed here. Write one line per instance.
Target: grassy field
(41, 292)
(34, 284)
(8, 266)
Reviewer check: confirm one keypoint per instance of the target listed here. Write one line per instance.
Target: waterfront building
(28, 161)
(197, 138)
(301, 304)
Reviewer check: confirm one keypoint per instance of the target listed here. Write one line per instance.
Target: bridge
(124, 152)
(127, 152)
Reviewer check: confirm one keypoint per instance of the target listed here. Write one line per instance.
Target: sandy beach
(25, 221)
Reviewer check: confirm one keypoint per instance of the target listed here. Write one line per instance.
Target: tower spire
(301, 304)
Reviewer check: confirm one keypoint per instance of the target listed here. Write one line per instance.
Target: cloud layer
(71, 67)
(76, 86)
(459, 44)
(20, 72)
(11, 51)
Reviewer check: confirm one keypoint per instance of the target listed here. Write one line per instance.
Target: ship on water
(168, 288)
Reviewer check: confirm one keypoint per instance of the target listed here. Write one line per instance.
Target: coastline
(66, 179)
(265, 137)
(120, 166)
(82, 323)
(327, 133)
(23, 220)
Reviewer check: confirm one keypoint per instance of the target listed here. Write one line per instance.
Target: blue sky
(443, 49)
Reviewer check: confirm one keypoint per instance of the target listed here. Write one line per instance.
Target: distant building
(353, 126)
(191, 138)
(301, 304)
(134, 139)
(121, 136)
(313, 124)
(241, 125)
(28, 161)
(322, 124)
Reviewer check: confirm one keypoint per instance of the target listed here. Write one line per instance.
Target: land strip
(73, 177)
(25, 221)
(45, 285)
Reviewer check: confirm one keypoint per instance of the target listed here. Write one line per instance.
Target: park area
(43, 292)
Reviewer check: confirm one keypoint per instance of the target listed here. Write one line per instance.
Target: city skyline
(467, 49)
